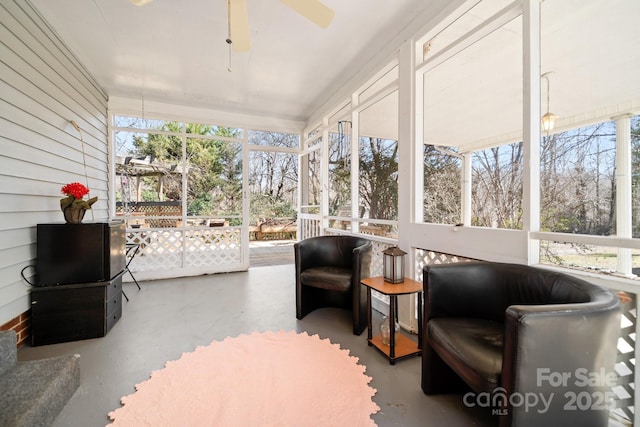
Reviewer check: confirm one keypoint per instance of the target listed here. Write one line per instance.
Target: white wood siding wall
(42, 88)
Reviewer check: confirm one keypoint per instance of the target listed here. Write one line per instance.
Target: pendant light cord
(84, 158)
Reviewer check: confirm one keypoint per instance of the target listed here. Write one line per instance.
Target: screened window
(442, 186)
(312, 195)
(496, 194)
(166, 170)
(340, 172)
(378, 166)
(472, 100)
(577, 181)
(273, 179)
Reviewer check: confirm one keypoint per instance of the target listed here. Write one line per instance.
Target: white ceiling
(175, 51)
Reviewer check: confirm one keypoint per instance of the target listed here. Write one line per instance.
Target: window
(273, 139)
(587, 195)
(472, 99)
(273, 178)
(496, 195)
(214, 176)
(378, 166)
(378, 178)
(363, 174)
(148, 171)
(577, 181)
(578, 196)
(340, 172)
(311, 194)
(179, 188)
(442, 186)
(150, 168)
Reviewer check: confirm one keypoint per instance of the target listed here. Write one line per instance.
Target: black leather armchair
(328, 274)
(514, 331)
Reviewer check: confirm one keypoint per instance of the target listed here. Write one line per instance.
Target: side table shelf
(404, 347)
(399, 346)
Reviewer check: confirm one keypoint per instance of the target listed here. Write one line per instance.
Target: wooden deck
(264, 254)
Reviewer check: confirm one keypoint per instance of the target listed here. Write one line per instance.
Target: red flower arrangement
(75, 189)
(73, 206)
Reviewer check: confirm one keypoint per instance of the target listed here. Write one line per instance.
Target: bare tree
(379, 177)
(273, 176)
(339, 171)
(635, 167)
(578, 180)
(497, 187)
(442, 187)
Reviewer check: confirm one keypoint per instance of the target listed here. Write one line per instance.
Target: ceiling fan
(314, 10)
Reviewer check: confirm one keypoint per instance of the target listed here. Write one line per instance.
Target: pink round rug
(264, 379)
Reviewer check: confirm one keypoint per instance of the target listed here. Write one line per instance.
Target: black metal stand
(132, 250)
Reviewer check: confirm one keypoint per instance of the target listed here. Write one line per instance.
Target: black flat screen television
(79, 253)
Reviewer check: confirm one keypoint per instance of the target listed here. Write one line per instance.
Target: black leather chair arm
(361, 261)
(559, 339)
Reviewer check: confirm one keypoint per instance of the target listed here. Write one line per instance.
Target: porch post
(160, 188)
(623, 190)
(324, 176)
(531, 124)
(408, 153)
(355, 161)
(467, 161)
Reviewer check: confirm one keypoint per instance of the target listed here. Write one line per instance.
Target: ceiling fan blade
(140, 2)
(313, 10)
(239, 25)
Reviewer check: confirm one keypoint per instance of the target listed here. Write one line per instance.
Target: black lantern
(393, 265)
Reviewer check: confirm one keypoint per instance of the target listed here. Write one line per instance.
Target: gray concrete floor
(169, 317)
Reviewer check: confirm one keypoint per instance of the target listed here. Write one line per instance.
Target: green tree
(212, 167)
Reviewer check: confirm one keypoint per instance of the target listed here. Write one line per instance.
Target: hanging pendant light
(548, 119)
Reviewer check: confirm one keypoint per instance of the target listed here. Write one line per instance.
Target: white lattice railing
(625, 367)
(176, 248)
(377, 258)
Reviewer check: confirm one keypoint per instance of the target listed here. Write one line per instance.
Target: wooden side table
(399, 346)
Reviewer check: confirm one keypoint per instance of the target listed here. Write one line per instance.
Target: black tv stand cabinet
(75, 312)
(80, 268)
